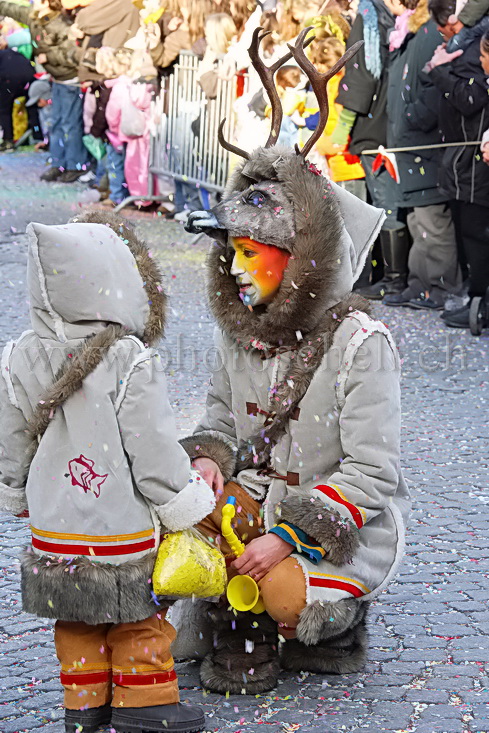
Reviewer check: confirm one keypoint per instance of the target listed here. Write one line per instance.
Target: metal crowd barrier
(184, 144)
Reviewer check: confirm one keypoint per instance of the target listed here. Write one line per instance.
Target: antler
(266, 74)
(229, 146)
(318, 82)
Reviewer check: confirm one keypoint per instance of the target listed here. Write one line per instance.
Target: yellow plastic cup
(243, 594)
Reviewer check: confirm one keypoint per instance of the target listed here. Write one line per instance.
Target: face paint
(258, 269)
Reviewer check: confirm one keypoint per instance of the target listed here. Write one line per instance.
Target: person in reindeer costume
(303, 412)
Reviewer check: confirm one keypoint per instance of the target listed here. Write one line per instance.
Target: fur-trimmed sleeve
(215, 435)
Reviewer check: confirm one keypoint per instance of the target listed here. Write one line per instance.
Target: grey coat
(104, 474)
(306, 388)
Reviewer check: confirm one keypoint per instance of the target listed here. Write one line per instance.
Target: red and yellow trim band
(85, 678)
(335, 494)
(354, 587)
(100, 545)
(93, 537)
(153, 678)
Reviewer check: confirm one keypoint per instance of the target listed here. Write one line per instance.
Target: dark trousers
(9, 91)
(472, 232)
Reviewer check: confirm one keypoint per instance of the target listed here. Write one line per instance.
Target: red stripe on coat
(329, 491)
(151, 678)
(68, 549)
(339, 584)
(85, 678)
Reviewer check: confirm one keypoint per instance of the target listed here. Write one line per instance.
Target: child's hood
(91, 272)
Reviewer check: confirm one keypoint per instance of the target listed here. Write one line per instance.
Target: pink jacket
(136, 163)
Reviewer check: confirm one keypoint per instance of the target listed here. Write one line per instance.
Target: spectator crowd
(408, 128)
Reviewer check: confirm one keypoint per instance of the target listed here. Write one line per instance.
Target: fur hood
(91, 273)
(90, 279)
(327, 231)
(420, 16)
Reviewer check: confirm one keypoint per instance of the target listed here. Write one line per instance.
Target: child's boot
(245, 655)
(88, 721)
(332, 641)
(174, 718)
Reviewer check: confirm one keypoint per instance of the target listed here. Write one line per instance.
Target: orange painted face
(258, 269)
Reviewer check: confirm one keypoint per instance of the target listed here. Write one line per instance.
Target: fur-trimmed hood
(327, 231)
(90, 273)
(420, 16)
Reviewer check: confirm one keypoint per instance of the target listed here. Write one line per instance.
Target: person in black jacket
(16, 73)
(464, 177)
(363, 94)
(412, 108)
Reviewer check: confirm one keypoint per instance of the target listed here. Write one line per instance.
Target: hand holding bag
(188, 566)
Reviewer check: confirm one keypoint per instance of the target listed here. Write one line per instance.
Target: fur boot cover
(190, 619)
(331, 639)
(245, 656)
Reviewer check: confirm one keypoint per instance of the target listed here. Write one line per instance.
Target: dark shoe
(176, 718)
(458, 318)
(70, 176)
(88, 721)
(6, 146)
(453, 312)
(343, 651)
(52, 174)
(394, 245)
(386, 286)
(245, 655)
(425, 304)
(399, 299)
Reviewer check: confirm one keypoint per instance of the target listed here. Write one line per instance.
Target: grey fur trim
(190, 619)
(79, 590)
(322, 522)
(212, 445)
(147, 266)
(343, 654)
(230, 667)
(12, 500)
(69, 378)
(323, 620)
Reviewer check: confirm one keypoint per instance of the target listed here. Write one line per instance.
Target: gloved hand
(342, 130)
(440, 57)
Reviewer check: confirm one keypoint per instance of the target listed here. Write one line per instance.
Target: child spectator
(88, 446)
(341, 166)
(16, 73)
(58, 54)
(128, 114)
(40, 95)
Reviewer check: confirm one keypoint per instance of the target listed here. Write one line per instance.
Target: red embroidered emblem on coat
(83, 475)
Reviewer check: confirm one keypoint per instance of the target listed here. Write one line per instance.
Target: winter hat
(39, 89)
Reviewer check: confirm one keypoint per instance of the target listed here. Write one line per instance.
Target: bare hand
(210, 472)
(440, 57)
(261, 555)
(485, 153)
(174, 23)
(41, 58)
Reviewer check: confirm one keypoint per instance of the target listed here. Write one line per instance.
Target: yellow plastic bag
(188, 566)
(20, 121)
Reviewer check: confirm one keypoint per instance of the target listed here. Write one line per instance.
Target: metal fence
(184, 144)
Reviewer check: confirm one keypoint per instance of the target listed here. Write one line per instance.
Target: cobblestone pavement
(428, 670)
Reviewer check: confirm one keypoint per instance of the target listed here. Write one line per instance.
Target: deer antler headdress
(318, 83)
